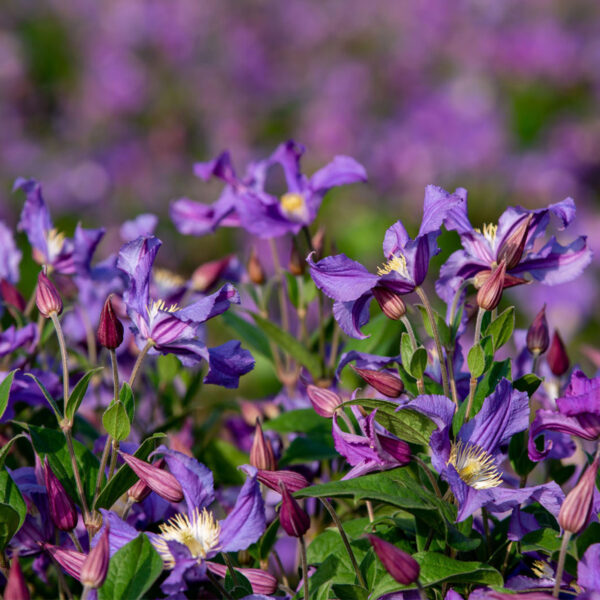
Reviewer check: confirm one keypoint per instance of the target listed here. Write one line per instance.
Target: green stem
(216, 583)
(472, 390)
(285, 321)
(421, 590)
(413, 341)
(456, 298)
(429, 475)
(75, 541)
(78, 483)
(335, 342)
(115, 372)
(113, 459)
(478, 322)
(139, 361)
(436, 337)
(453, 390)
(561, 563)
(230, 567)
(304, 566)
(63, 354)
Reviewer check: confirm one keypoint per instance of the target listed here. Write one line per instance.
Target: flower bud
(297, 264)
(293, 481)
(62, 508)
(261, 453)
(206, 275)
(70, 560)
(47, 297)
(557, 357)
(400, 565)
(490, 293)
(398, 449)
(511, 250)
(110, 329)
(317, 242)
(261, 581)
(16, 588)
(294, 520)
(11, 295)
(159, 481)
(538, 338)
(95, 566)
(390, 302)
(139, 491)
(385, 383)
(324, 401)
(577, 506)
(255, 270)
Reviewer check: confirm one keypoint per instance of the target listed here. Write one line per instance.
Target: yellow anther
(475, 466)
(293, 202)
(396, 263)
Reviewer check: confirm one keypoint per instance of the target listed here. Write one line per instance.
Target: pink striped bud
(512, 249)
(62, 508)
(261, 581)
(11, 295)
(70, 560)
(385, 383)
(297, 264)
(206, 275)
(261, 453)
(324, 401)
(390, 302)
(577, 507)
(16, 588)
(110, 329)
(95, 566)
(255, 270)
(292, 480)
(159, 481)
(538, 338)
(294, 520)
(400, 565)
(557, 357)
(139, 491)
(47, 298)
(399, 449)
(490, 293)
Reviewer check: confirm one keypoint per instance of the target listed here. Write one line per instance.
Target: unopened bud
(294, 520)
(385, 383)
(159, 481)
(261, 581)
(511, 250)
(255, 270)
(398, 449)
(490, 293)
(390, 302)
(261, 453)
(110, 329)
(206, 275)
(16, 588)
(324, 401)
(400, 565)
(70, 560)
(557, 357)
(11, 295)
(317, 241)
(297, 264)
(95, 567)
(293, 481)
(577, 506)
(538, 338)
(139, 491)
(62, 508)
(47, 297)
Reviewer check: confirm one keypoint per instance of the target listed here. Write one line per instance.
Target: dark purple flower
(110, 329)
(352, 286)
(293, 518)
(174, 330)
(245, 202)
(558, 359)
(62, 508)
(400, 565)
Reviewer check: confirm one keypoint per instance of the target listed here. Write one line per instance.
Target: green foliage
(5, 391)
(78, 393)
(116, 421)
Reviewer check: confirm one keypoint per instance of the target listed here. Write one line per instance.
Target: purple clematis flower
(50, 247)
(169, 329)
(10, 256)
(470, 463)
(588, 572)
(513, 239)
(245, 202)
(351, 285)
(578, 414)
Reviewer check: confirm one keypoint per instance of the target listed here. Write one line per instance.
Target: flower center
(167, 279)
(200, 534)
(397, 263)
(159, 305)
(474, 465)
(293, 203)
(489, 232)
(542, 569)
(55, 240)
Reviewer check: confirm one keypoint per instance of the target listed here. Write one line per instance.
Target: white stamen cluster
(475, 466)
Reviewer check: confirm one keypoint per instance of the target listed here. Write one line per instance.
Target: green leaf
(290, 345)
(303, 420)
(6, 448)
(127, 398)
(528, 383)
(517, 453)
(10, 494)
(476, 361)
(501, 328)
(223, 459)
(306, 449)
(52, 443)
(132, 571)
(5, 391)
(418, 362)
(49, 398)
(78, 393)
(254, 338)
(238, 588)
(9, 524)
(348, 591)
(116, 421)
(547, 540)
(406, 349)
(292, 289)
(167, 367)
(124, 478)
(407, 424)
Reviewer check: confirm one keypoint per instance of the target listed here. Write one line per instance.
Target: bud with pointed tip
(297, 264)
(16, 588)
(159, 481)
(294, 520)
(95, 566)
(400, 565)
(206, 275)
(62, 508)
(398, 449)
(47, 298)
(139, 491)
(513, 246)
(70, 560)
(292, 480)
(254, 268)
(538, 338)
(261, 581)
(324, 401)
(557, 357)
(261, 453)
(577, 506)
(385, 383)
(390, 302)
(490, 293)
(11, 295)
(110, 329)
